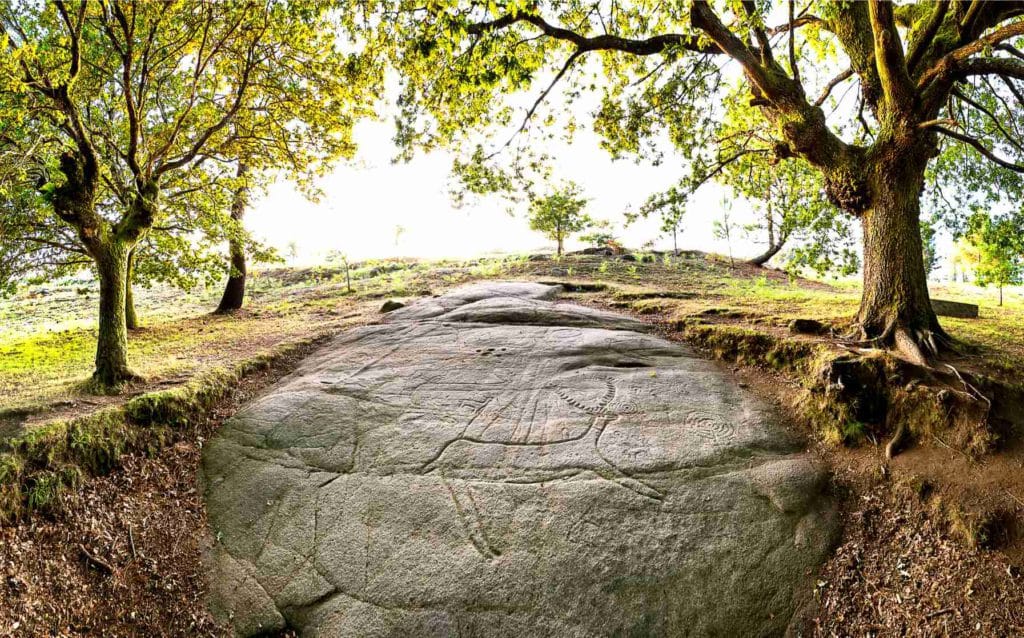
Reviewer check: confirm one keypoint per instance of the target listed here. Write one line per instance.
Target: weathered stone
(391, 305)
(494, 463)
(957, 309)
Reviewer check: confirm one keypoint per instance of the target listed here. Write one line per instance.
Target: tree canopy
(127, 119)
(917, 73)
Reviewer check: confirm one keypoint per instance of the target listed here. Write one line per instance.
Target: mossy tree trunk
(109, 245)
(895, 309)
(131, 317)
(775, 242)
(234, 291)
(112, 346)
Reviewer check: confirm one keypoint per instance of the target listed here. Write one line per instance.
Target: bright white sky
(366, 201)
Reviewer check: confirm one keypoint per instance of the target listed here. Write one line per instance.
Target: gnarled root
(917, 346)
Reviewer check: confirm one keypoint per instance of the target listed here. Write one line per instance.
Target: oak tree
(667, 70)
(115, 103)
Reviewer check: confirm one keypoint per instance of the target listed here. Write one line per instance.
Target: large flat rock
(495, 463)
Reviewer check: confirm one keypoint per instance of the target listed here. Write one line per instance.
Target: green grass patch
(37, 467)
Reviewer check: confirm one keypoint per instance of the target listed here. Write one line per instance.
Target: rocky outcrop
(495, 463)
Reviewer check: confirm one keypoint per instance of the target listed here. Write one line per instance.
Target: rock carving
(494, 462)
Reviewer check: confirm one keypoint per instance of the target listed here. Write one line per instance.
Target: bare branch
(836, 81)
(938, 122)
(794, 24)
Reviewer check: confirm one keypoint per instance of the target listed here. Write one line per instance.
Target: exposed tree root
(918, 346)
(971, 390)
(896, 442)
(111, 383)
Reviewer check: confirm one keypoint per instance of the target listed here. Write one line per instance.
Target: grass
(43, 363)
(48, 335)
(39, 464)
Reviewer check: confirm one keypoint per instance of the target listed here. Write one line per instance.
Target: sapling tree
(601, 234)
(724, 229)
(670, 207)
(918, 72)
(996, 250)
(114, 104)
(559, 214)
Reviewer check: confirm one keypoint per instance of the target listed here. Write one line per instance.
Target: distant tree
(670, 207)
(964, 258)
(996, 250)
(336, 256)
(293, 251)
(234, 290)
(560, 214)
(602, 235)
(724, 228)
(185, 249)
(117, 105)
(789, 205)
(928, 234)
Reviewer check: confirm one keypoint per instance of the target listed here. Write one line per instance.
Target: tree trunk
(895, 308)
(764, 257)
(773, 246)
(1000, 295)
(112, 346)
(131, 318)
(560, 246)
(234, 291)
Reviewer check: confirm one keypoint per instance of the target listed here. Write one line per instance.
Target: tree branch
(649, 46)
(544, 94)
(992, 116)
(889, 60)
(204, 137)
(75, 32)
(992, 66)
(792, 44)
(836, 81)
(966, 139)
(794, 24)
(920, 45)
